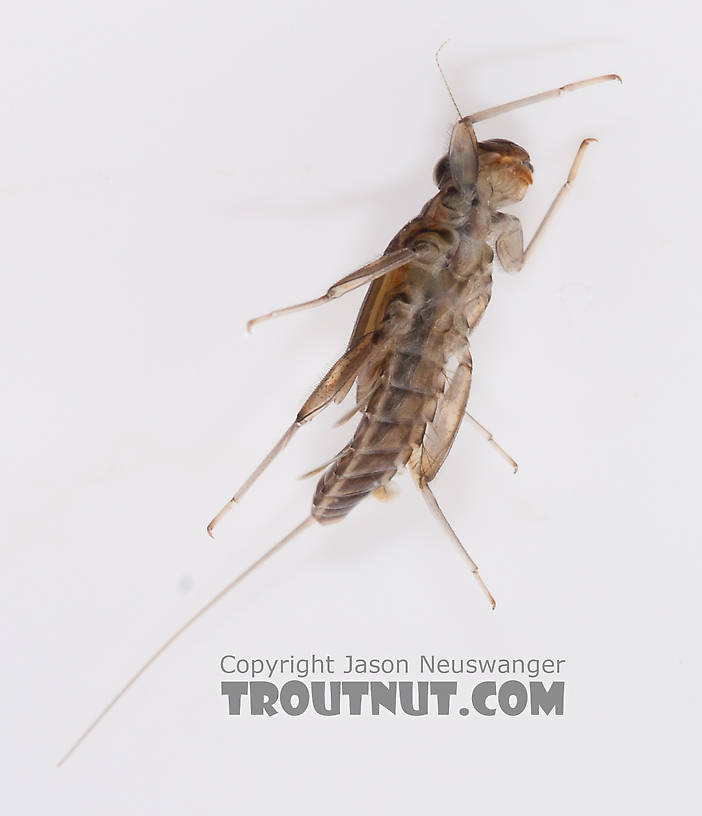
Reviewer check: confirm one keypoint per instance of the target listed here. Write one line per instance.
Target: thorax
(454, 291)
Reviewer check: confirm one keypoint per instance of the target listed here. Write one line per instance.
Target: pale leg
(554, 93)
(434, 506)
(366, 274)
(510, 243)
(491, 439)
(345, 369)
(575, 166)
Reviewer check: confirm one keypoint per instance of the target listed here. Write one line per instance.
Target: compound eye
(441, 169)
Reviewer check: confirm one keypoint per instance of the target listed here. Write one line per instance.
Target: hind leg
(338, 376)
(438, 513)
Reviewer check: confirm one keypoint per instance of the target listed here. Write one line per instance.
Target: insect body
(409, 353)
(415, 323)
(428, 292)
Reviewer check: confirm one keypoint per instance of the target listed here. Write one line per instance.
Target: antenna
(443, 76)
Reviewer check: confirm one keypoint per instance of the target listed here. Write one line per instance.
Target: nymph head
(505, 171)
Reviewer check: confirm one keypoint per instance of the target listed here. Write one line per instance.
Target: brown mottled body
(421, 317)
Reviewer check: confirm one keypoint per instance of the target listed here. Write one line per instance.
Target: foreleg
(510, 242)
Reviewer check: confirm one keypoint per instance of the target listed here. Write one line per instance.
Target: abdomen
(411, 378)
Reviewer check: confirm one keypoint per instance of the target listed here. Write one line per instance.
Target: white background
(168, 170)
